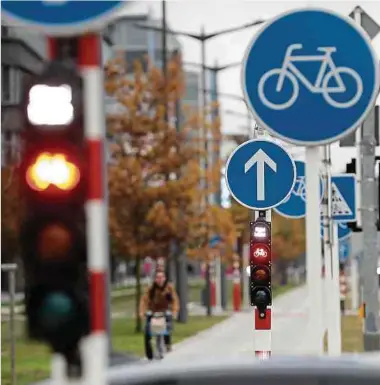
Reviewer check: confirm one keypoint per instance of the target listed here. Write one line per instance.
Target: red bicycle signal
(260, 253)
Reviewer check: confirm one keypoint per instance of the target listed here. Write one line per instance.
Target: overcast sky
(190, 15)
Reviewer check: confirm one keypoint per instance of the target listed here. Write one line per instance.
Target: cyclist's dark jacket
(159, 299)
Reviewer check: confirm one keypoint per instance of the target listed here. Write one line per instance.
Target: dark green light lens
(56, 310)
(261, 297)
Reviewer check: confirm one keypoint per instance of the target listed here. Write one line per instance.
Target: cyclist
(159, 297)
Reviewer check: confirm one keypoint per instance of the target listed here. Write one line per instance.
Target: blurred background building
(23, 53)
(139, 44)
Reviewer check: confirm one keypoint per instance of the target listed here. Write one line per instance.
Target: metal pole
(332, 295)
(11, 268)
(313, 250)
(336, 337)
(245, 278)
(369, 218)
(96, 210)
(12, 290)
(218, 284)
(205, 138)
(214, 157)
(181, 260)
(262, 335)
(164, 57)
(170, 266)
(354, 284)
(358, 138)
(326, 212)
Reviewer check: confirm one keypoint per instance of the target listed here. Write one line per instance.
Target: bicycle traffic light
(52, 237)
(260, 265)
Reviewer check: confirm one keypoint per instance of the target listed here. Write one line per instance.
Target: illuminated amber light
(52, 169)
(261, 274)
(54, 242)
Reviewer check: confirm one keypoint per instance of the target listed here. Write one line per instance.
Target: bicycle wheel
(276, 72)
(359, 88)
(160, 347)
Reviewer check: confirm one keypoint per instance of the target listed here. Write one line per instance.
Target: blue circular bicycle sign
(60, 18)
(310, 76)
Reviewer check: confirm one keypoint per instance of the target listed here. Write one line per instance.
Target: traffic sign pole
(262, 335)
(262, 328)
(313, 250)
(326, 223)
(354, 283)
(358, 139)
(89, 62)
(365, 145)
(336, 331)
(331, 242)
(92, 73)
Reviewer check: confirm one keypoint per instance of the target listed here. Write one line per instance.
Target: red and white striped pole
(90, 66)
(263, 326)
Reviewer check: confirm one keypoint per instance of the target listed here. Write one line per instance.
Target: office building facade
(23, 54)
(146, 46)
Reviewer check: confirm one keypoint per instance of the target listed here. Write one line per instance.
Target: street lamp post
(215, 93)
(221, 281)
(203, 37)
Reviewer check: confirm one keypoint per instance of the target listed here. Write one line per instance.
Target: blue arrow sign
(317, 77)
(343, 231)
(343, 197)
(260, 174)
(61, 18)
(295, 205)
(344, 249)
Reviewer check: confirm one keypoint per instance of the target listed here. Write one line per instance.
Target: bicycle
(327, 71)
(157, 330)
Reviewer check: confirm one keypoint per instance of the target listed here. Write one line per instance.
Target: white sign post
(313, 250)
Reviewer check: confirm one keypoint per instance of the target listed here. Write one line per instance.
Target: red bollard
(213, 294)
(236, 290)
(236, 296)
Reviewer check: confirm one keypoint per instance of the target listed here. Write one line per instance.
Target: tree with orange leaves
(288, 237)
(212, 220)
(154, 175)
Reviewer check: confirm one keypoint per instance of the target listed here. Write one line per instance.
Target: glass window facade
(132, 56)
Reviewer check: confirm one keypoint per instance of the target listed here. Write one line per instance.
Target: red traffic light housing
(260, 265)
(53, 162)
(53, 236)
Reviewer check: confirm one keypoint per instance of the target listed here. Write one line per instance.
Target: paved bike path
(234, 336)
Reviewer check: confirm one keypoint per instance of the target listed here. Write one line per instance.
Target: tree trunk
(181, 282)
(138, 326)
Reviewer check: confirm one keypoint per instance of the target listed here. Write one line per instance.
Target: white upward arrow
(262, 159)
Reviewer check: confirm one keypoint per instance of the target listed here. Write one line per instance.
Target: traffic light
(52, 236)
(260, 265)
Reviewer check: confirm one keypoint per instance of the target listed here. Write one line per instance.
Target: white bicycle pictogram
(260, 253)
(328, 70)
(299, 189)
